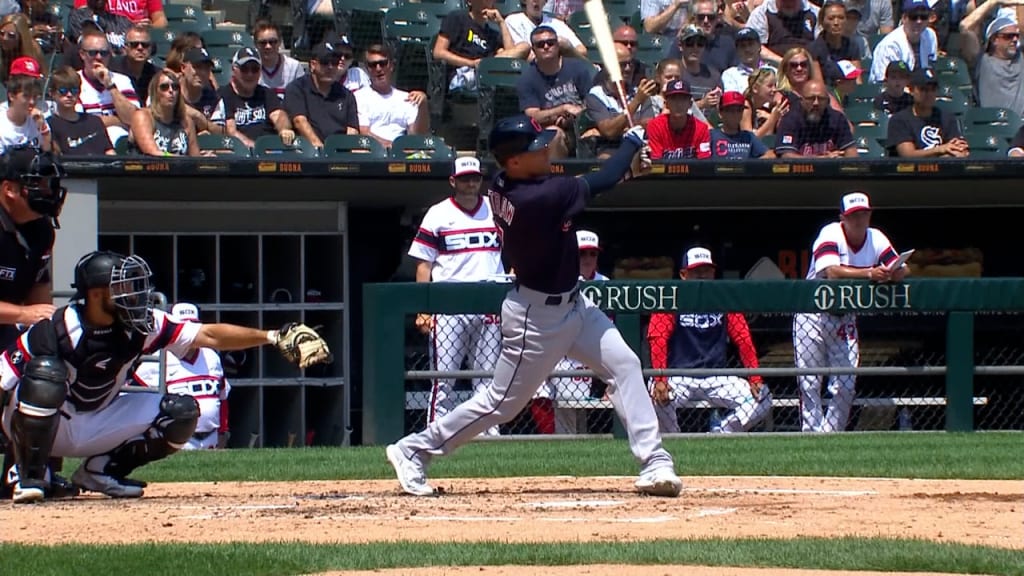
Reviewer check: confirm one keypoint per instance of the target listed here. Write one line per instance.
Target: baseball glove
(301, 345)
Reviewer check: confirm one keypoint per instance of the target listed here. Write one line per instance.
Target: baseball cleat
(93, 482)
(411, 474)
(27, 494)
(61, 487)
(659, 482)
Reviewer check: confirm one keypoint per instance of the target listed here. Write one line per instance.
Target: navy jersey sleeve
(787, 132)
(757, 148)
(526, 89)
(573, 193)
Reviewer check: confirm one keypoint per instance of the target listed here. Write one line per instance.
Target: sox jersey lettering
(462, 245)
(200, 375)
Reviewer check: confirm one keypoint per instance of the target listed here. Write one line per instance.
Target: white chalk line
(803, 492)
(573, 504)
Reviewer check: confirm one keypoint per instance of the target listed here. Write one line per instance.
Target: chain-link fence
(726, 372)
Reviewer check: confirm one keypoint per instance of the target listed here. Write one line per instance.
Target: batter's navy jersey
(535, 219)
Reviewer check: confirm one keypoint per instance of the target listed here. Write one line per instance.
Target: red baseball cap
(25, 66)
(732, 99)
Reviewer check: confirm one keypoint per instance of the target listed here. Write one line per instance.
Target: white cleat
(411, 474)
(659, 482)
(27, 494)
(104, 484)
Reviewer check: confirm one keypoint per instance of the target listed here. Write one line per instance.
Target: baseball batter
(700, 341)
(458, 242)
(549, 418)
(848, 249)
(198, 374)
(544, 317)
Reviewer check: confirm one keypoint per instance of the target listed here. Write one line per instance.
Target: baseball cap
(677, 87)
(748, 34)
(466, 165)
(848, 70)
(244, 56)
(697, 257)
(691, 31)
(517, 134)
(923, 77)
(897, 67)
(732, 99)
(993, 28)
(910, 5)
(25, 66)
(186, 311)
(854, 202)
(325, 50)
(197, 56)
(587, 240)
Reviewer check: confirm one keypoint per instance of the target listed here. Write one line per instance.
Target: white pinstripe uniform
(461, 246)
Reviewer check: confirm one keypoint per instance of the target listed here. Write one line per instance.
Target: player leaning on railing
(66, 373)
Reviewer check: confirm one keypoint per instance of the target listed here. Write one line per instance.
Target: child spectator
(895, 97)
(73, 133)
(730, 142)
(21, 123)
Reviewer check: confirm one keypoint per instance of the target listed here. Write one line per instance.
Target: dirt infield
(536, 510)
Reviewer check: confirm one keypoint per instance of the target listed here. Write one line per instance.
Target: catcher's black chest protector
(98, 358)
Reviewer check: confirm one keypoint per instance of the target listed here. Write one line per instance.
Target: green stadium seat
(991, 121)
(273, 147)
(874, 39)
(865, 93)
(580, 21)
(990, 146)
(498, 98)
(586, 36)
(445, 6)
(201, 26)
(586, 148)
(353, 147)
(418, 147)
(868, 147)
(411, 31)
(651, 48)
(227, 38)
(183, 13)
(123, 147)
(366, 21)
(954, 71)
(223, 145)
(868, 122)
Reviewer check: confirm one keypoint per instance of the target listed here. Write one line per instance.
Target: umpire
(31, 198)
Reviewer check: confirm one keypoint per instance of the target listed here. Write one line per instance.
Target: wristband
(273, 336)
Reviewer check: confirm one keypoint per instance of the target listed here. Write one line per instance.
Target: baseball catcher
(65, 375)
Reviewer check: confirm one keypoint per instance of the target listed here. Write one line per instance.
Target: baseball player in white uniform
(848, 249)
(198, 374)
(679, 340)
(548, 417)
(458, 242)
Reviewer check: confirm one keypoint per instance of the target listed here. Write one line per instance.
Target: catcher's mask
(128, 278)
(39, 175)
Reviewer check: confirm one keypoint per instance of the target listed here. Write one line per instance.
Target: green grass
(918, 455)
(280, 559)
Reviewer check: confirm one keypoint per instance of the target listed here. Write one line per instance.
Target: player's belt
(550, 299)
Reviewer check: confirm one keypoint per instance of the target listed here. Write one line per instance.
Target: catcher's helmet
(517, 134)
(39, 174)
(128, 278)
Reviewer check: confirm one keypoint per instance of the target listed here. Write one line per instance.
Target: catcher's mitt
(301, 345)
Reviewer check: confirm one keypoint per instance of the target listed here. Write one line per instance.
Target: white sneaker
(27, 494)
(104, 484)
(659, 482)
(411, 474)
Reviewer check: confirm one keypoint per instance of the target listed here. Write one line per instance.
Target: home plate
(574, 504)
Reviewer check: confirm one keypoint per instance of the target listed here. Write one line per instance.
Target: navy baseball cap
(910, 5)
(748, 34)
(518, 134)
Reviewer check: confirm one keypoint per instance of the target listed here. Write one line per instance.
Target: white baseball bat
(606, 46)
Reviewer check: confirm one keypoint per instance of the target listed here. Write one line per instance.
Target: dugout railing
(935, 353)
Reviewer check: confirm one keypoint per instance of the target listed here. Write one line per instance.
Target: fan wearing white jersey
(278, 69)
(458, 242)
(548, 418)
(198, 374)
(848, 249)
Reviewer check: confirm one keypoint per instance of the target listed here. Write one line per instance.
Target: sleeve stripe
(426, 238)
(168, 333)
(888, 256)
(826, 248)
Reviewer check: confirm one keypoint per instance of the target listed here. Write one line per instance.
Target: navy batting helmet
(518, 134)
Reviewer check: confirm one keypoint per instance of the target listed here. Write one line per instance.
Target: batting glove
(636, 135)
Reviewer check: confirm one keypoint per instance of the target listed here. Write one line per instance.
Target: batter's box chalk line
(789, 491)
(573, 504)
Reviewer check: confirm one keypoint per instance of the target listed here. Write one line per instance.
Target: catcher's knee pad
(179, 415)
(43, 386)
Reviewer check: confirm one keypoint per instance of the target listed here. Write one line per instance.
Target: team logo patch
(17, 357)
(7, 273)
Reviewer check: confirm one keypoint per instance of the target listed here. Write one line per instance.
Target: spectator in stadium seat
(852, 27)
(783, 25)
(15, 42)
(278, 69)
(796, 69)
(351, 76)
(872, 16)
(1017, 145)
(164, 128)
(317, 103)
(148, 13)
(832, 45)
(665, 17)
(895, 97)
(114, 25)
(604, 109)
(385, 112)
(670, 70)
(135, 62)
(196, 68)
(73, 133)
(845, 77)
(814, 130)
(677, 135)
(521, 24)
(766, 105)
(1000, 68)
(720, 52)
(551, 90)
(925, 130)
(914, 42)
(729, 141)
(466, 37)
(21, 122)
(705, 82)
(181, 44)
(748, 53)
(107, 94)
(248, 110)
(625, 36)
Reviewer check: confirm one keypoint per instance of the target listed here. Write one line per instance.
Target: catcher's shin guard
(35, 420)
(172, 428)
